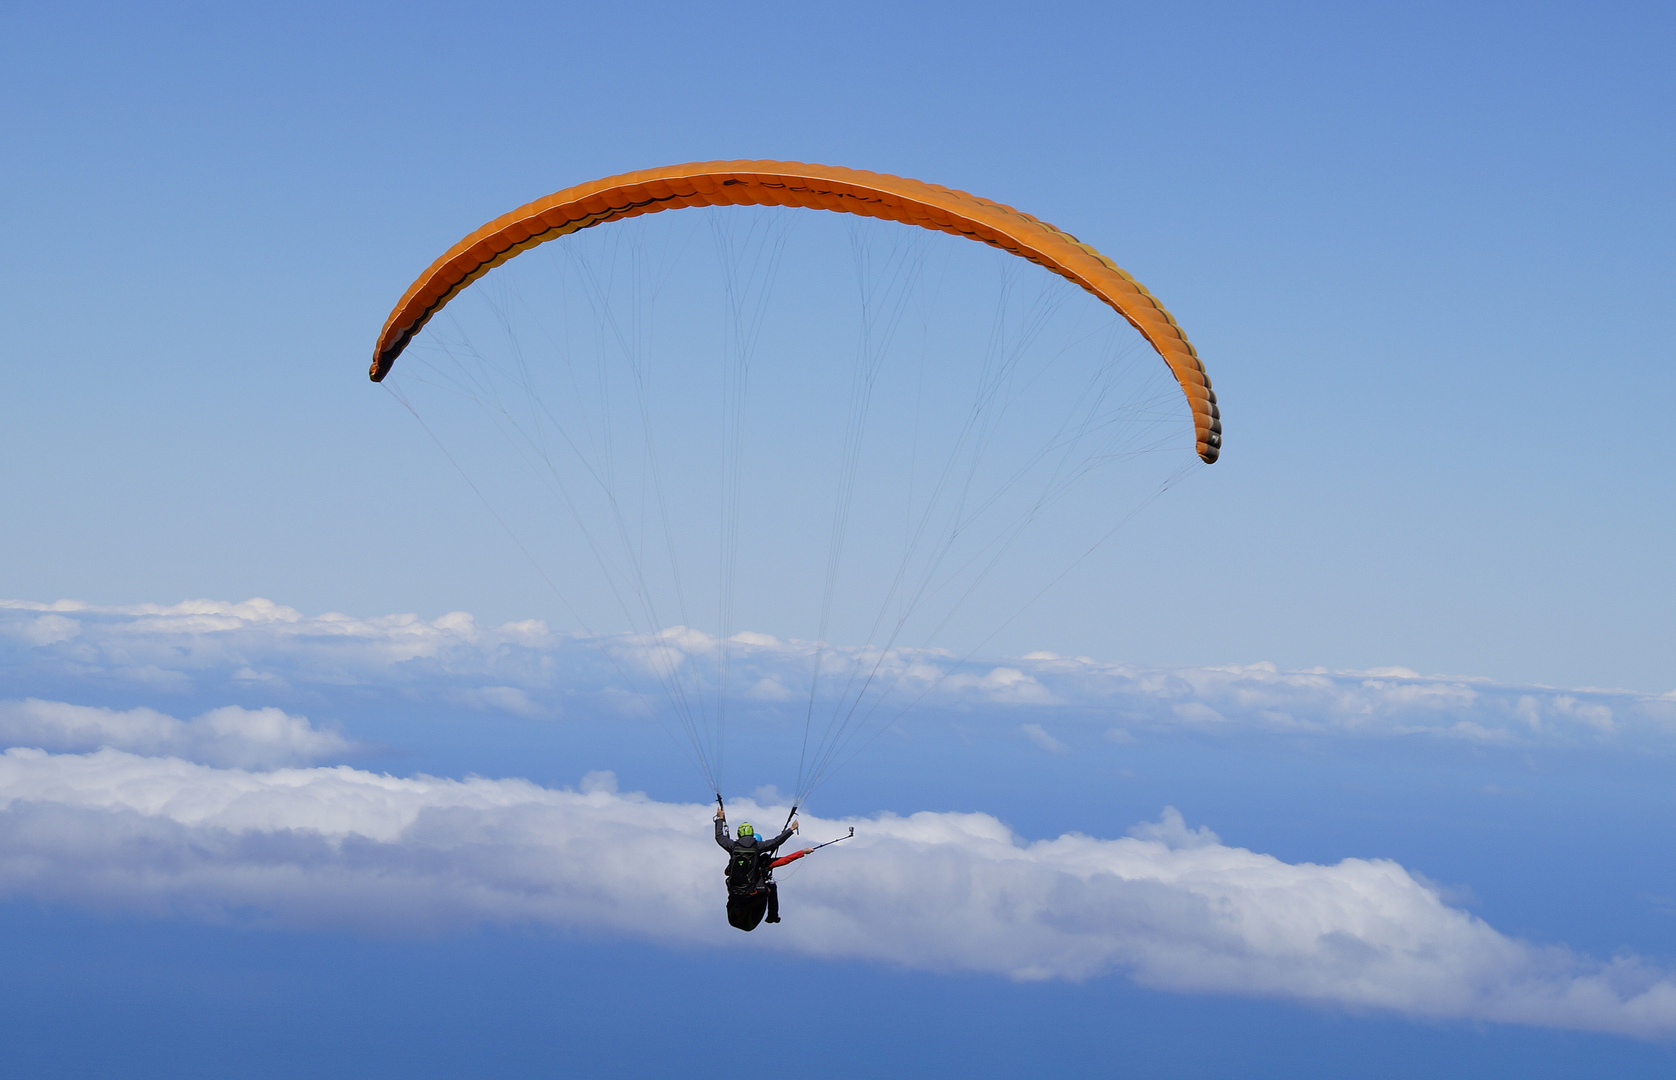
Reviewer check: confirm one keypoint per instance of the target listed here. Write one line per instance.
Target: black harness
(748, 870)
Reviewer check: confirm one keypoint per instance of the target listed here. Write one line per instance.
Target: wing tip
(1210, 447)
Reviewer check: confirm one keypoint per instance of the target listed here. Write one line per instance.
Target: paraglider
(751, 889)
(946, 554)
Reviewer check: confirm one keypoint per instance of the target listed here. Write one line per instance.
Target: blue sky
(1424, 253)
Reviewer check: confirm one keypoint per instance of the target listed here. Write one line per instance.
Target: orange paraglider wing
(816, 187)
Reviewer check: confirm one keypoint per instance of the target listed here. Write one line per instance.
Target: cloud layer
(1174, 908)
(526, 669)
(123, 806)
(230, 735)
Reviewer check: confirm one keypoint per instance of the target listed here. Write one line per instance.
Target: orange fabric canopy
(821, 187)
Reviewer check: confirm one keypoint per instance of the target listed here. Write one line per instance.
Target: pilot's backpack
(744, 871)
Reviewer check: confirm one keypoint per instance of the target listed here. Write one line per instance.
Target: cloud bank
(230, 735)
(526, 669)
(1174, 908)
(123, 806)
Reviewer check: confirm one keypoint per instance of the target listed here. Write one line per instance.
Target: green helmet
(745, 830)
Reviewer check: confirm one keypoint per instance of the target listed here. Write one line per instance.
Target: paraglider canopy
(826, 187)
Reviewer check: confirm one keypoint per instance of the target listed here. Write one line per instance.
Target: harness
(748, 870)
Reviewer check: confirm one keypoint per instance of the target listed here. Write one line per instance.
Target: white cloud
(1173, 907)
(257, 637)
(1015, 687)
(1036, 734)
(230, 735)
(1197, 712)
(770, 688)
(599, 780)
(48, 630)
(211, 647)
(1171, 830)
(499, 698)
